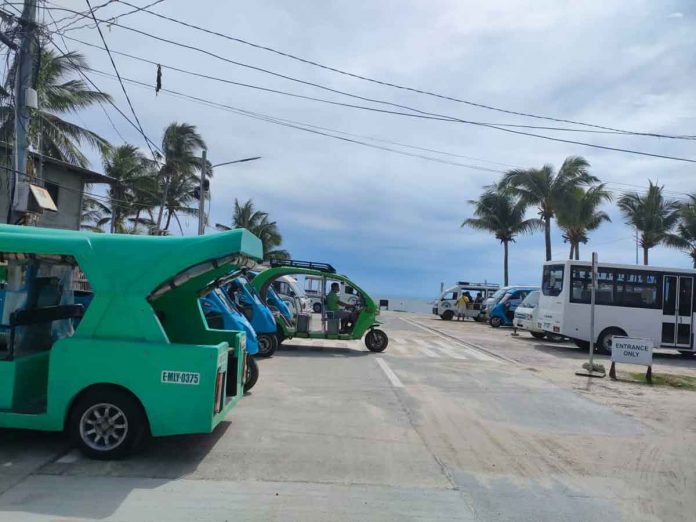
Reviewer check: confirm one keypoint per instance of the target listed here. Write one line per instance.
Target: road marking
(419, 345)
(474, 350)
(70, 457)
(448, 350)
(389, 373)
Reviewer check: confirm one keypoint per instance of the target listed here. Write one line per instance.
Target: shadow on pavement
(163, 459)
(296, 350)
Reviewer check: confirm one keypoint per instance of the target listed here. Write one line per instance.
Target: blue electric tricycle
(222, 314)
(502, 312)
(242, 294)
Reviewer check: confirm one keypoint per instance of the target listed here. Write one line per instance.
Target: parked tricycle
(363, 311)
(142, 360)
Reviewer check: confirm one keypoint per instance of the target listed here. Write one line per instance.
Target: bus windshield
(552, 280)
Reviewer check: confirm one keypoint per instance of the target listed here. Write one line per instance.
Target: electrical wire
(394, 85)
(110, 20)
(420, 112)
(323, 100)
(123, 87)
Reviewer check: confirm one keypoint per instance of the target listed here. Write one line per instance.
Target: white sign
(631, 351)
(172, 377)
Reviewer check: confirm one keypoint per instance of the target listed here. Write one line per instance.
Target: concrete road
(438, 427)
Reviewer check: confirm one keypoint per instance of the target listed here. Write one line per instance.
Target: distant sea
(402, 304)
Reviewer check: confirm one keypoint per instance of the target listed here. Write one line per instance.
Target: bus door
(677, 311)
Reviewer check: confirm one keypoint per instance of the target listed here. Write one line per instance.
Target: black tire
(687, 353)
(604, 340)
(554, 338)
(317, 308)
(268, 344)
(252, 373)
(538, 335)
(585, 345)
(495, 322)
(447, 315)
(376, 340)
(107, 402)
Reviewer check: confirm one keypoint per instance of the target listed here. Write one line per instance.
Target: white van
(312, 287)
(446, 304)
(292, 294)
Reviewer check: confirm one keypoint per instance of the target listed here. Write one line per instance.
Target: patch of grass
(683, 382)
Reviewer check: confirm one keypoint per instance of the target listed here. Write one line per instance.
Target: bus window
(552, 280)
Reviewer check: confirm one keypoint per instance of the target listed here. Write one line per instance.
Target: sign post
(589, 369)
(631, 351)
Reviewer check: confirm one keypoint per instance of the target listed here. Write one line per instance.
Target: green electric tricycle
(140, 360)
(364, 309)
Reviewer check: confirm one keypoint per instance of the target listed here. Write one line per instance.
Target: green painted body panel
(120, 339)
(366, 318)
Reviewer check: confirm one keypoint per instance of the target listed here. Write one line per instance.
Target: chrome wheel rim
(264, 344)
(103, 427)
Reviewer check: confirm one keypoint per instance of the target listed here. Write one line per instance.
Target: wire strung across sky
(145, 9)
(123, 87)
(322, 100)
(418, 111)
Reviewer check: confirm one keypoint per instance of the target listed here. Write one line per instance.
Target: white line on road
(389, 373)
(448, 350)
(419, 345)
(475, 352)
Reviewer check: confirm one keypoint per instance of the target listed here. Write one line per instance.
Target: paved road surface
(434, 428)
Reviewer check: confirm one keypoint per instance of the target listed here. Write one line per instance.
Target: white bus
(637, 301)
(446, 305)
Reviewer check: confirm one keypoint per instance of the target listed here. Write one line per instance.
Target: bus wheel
(252, 373)
(447, 315)
(495, 322)
(554, 338)
(376, 340)
(687, 353)
(585, 345)
(317, 308)
(604, 340)
(538, 335)
(107, 423)
(268, 344)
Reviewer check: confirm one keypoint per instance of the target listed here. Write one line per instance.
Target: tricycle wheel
(317, 308)
(107, 424)
(268, 344)
(252, 373)
(376, 340)
(495, 322)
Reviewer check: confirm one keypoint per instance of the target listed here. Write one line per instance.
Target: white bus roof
(618, 265)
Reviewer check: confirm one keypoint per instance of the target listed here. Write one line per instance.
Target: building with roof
(65, 183)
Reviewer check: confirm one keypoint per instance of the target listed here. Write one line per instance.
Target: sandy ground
(455, 421)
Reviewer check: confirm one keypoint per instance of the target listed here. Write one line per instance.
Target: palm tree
(94, 214)
(579, 215)
(181, 145)
(126, 165)
(653, 216)
(499, 212)
(547, 189)
(685, 238)
(258, 223)
(57, 94)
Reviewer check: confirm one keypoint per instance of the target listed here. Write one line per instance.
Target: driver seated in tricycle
(348, 315)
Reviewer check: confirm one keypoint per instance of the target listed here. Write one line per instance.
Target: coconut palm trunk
(505, 263)
(547, 236)
(645, 255)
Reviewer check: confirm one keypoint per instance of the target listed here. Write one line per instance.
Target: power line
(111, 102)
(393, 85)
(420, 112)
(324, 100)
(123, 88)
(78, 14)
(110, 20)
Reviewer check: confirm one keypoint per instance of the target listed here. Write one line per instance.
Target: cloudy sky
(391, 221)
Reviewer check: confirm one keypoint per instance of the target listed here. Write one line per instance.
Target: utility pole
(25, 97)
(201, 194)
